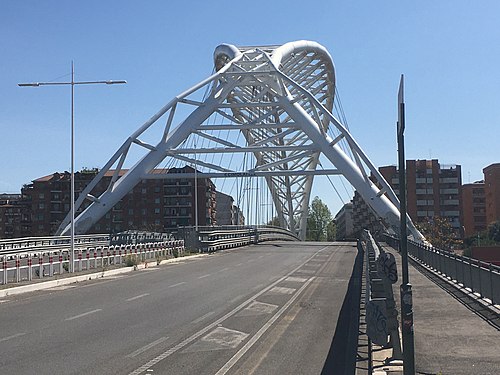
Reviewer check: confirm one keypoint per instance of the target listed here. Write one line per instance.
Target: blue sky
(449, 51)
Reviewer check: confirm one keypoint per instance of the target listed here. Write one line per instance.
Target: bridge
(251, 299)
(268, 306)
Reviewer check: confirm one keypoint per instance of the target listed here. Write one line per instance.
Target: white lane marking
(146, 347)
(261, 256)
(82, 315)
(173, 286)
(203, 317)
(201, 332)
(296, 279)
(219, 339)
(229, 364)
(280, 290)
(4, 300)
(239, 264)
(12, 336)
(257, 308)
(224, 269)
(237, 298)
(137, 297)
(202, 277)
(250, 260)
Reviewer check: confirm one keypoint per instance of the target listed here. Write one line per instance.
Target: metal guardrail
(25, 244)
(480, 277)
(220, 238)
(381, 313)
(42, 263)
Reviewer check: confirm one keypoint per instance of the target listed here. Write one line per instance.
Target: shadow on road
(341, 359)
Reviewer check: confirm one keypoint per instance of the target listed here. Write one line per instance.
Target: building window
(157, 210)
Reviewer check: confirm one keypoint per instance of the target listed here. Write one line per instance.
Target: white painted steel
(280, 98)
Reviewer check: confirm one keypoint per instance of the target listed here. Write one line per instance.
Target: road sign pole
(406, 292)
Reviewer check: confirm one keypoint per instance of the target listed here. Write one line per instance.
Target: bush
(131, 260)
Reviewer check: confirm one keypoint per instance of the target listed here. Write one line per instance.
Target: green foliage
(331, 231)
(274, 222)
(494, 231)
(131, 260)
(489, 237)
(318, 221)
(440, 233)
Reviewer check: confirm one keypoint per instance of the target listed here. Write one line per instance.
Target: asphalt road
(265, 309)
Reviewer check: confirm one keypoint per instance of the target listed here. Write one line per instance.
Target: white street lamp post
(72, 197)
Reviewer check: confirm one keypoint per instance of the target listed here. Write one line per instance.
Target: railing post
(30, 267)
(5, 271)
(491, 283)
(40, 265)
(51, 264)
(87, 257)
(479, 272)
(61, 269)
(18, 269)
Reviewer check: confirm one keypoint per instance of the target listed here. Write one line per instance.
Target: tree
(494, 231)
(439, 232)
(319, 217)
(331, 231)
(275, 222)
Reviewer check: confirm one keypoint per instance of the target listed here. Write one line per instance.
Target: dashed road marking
(83, 315)
(203, 317)
(202, 277)
(174, 285)
(147, 347)
(12, 336)
(137, 297)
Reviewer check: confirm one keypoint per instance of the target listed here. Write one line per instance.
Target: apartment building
(14, 216)
(153, 204)
(492, 192)
(363, 217)
(344, 223)
(473, 208)
(433, 190)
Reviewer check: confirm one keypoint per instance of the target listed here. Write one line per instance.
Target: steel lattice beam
(280, 99)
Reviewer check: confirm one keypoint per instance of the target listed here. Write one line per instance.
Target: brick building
(153, 204)
(473, 208)
(492, 192)
(363, 217)
(432, 190)
(14, 216)
(344, 223)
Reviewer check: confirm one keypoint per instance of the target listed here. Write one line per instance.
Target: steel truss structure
(271, 102)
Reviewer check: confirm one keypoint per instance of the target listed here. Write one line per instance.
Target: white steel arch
(280, 99)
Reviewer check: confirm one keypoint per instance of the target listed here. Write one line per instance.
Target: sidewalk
(450, 339)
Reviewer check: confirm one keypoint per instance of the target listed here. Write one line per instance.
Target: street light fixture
(72, 83)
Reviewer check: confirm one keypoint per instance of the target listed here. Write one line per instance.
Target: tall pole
(72, 193)
(406, 292)
(195, 190)
(72, 83)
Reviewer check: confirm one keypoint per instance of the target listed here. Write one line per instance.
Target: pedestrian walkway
(450, 338)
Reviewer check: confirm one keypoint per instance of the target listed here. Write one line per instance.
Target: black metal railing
(480, 277)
